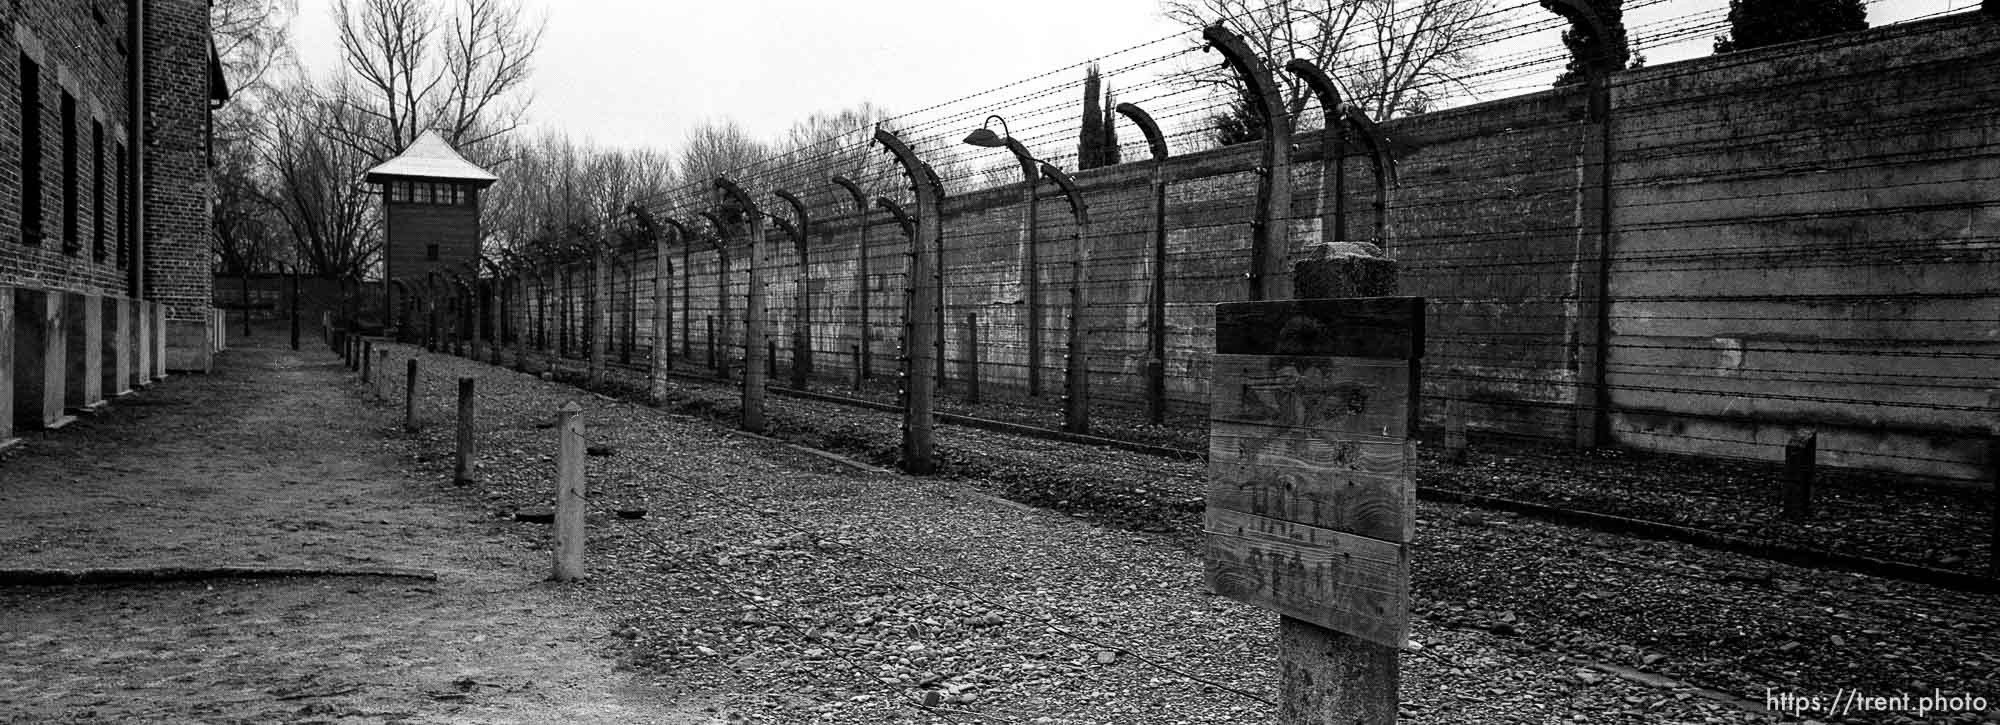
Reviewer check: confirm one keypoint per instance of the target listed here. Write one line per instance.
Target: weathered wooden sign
(1311, 495)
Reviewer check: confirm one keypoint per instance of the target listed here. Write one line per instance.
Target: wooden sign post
(1311, 496)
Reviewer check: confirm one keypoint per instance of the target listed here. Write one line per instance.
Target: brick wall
(80, 50)
(178, 188)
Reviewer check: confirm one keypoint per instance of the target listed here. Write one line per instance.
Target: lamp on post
(1031, 269)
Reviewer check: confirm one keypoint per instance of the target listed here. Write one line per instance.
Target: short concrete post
(770, 359)
(1454, 422)
(972, 357)
(711, 350)
(468, 411)
(1799, 454)
(854, 351)
(367, 361)
(294, 309)
(410, 398)
(570, 500)
(382, 374)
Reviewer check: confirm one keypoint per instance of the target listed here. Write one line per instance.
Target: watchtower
(430, 197)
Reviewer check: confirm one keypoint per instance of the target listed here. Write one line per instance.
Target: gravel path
(797, 589)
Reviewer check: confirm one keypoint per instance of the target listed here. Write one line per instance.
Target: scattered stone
(535, 516)
(632, 513)
(600, 451)
(1105, 657)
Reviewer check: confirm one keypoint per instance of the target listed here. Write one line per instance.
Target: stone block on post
(83, 377)
(7, 438)
(142, 344)
(40, 347)
(117, 346)
(158, 319)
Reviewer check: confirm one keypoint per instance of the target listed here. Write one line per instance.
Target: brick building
(104, 220)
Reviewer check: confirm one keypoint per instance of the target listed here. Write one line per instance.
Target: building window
(31, 151)
(71, 242)
(399, 191)
(431, 252)
(97, 247)
(124, 239)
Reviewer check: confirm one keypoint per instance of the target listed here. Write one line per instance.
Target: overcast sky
(642, 72)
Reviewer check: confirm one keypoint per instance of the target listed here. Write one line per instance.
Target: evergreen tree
(1758, 23)
(1585, 47)
(1242, 122)
(1110, 146)
(1090, 143)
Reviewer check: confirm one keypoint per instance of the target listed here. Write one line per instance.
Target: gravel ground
(797, 589)
(1899, 518)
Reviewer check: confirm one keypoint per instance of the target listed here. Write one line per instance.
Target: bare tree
(251, 38)
(827, 143)
(716, 147)
(415, 65)
(314, 185)
(1393, 57)
(566, 185)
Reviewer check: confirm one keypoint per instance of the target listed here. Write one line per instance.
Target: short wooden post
(1799, 454)
(468, 410)
(382, 374)
(854, 352)
(295, 309)
(367, 361)
(410, 398)
(1993, 477)
(598, 337)
(1454, 422)
(771, 359)
(570, 499)
(663, 321)
(972, 357)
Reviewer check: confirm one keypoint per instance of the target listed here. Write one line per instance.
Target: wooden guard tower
(430, 215)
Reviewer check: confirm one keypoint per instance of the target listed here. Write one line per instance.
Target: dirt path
(274, 461)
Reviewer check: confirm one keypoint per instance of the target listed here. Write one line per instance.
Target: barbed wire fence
(1782, 254)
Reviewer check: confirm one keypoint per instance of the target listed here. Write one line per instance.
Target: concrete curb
(152, 575)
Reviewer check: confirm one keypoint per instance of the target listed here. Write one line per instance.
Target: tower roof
(429, 157)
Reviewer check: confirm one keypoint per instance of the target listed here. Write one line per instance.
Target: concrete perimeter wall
(1800, 237)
